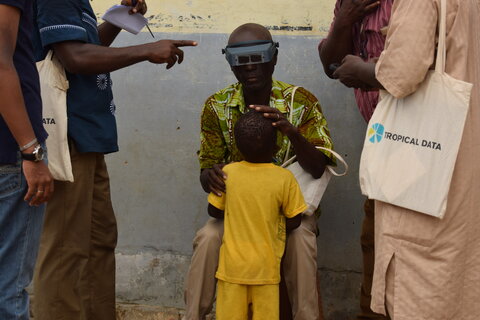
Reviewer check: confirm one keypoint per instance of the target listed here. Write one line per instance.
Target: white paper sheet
(118, 15)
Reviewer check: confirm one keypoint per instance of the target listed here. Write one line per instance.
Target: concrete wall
(157, 197)
(304, 17)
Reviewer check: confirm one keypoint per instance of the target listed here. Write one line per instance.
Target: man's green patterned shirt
(222, 110)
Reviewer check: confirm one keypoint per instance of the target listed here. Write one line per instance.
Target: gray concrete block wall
(155, 187)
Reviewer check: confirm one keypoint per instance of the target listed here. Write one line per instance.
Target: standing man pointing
(75, 275)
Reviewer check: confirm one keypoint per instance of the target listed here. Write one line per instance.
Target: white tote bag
(54, 86)
(411, 144)
(312, 189)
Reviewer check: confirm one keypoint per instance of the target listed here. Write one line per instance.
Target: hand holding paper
(137, 6)
(119, 15)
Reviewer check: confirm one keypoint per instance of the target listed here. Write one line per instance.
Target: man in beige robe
(428, 268)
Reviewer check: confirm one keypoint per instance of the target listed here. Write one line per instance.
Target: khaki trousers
(75, 273)
(367, 241)
(300, 270)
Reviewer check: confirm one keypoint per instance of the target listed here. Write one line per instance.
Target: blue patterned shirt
(90, 106)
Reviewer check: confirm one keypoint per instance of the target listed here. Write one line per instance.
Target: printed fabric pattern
(222, 110)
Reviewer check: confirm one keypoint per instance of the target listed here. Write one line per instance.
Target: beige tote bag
(412, 143)
(54, 86)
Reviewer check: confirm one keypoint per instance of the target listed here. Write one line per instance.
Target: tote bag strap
(288, 161)
(329, 168)
(442, 36)
(56, 72)
(290, 118)
(49, 55)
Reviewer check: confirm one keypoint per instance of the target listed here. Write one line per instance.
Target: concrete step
(143, 312)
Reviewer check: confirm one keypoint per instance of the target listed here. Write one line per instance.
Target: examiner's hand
(167, 51)
(278, 119)
(39, 181)
(138, 6)
(213, 179)
(352, 11)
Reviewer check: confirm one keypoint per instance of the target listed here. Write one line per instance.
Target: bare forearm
(204, 180)
(293, 223)
(107, 33)
(366, 74)
(338, 44)
(215, 212)
(84, 58)
(310, 158)
(12, 107)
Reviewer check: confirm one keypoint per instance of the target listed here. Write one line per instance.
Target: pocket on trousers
(10, 179)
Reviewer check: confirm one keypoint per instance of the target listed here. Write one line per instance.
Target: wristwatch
(36, 155)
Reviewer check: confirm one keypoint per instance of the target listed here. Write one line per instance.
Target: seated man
(253, 55)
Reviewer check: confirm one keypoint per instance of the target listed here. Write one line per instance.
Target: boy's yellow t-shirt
(258, 198)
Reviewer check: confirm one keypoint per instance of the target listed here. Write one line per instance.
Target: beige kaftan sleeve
(409, 48)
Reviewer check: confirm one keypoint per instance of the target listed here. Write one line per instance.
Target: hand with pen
(138, 6)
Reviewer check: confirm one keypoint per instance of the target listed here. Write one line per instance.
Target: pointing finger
(185, 43)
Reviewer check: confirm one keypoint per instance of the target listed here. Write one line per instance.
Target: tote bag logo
(376, 132)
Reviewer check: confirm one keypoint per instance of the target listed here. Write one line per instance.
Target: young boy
(258, 198)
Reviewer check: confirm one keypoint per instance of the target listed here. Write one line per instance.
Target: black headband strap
(252, 42)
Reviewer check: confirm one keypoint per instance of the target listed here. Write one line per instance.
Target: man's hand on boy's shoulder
(213, 179)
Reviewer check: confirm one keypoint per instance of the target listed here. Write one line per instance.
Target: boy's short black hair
(255, 136)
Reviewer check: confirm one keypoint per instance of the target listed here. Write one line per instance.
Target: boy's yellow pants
(235, 300)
